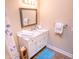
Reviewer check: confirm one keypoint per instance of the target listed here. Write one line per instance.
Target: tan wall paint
(52, 11)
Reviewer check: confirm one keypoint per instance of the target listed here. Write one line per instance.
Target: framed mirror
(28, 16)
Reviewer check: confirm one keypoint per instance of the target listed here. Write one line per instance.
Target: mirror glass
(28, 17)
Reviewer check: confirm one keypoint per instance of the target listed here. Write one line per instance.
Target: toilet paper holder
(65, 26)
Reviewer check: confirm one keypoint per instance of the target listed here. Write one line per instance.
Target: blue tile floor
(46, 54)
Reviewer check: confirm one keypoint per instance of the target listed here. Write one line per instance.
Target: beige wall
(52, 11)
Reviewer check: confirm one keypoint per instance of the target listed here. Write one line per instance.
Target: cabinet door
(42, 40)
(32, 47)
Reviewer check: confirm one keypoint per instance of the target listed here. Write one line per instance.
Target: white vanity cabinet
(34, 44)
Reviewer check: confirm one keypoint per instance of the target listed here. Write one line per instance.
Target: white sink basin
(29, 33)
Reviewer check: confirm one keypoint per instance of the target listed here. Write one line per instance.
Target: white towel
(59, 28)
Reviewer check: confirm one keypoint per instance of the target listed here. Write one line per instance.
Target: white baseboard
(59, 50)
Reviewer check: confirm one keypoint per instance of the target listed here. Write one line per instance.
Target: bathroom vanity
(33, 40)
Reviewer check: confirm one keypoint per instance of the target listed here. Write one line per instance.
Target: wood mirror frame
(28, 17)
